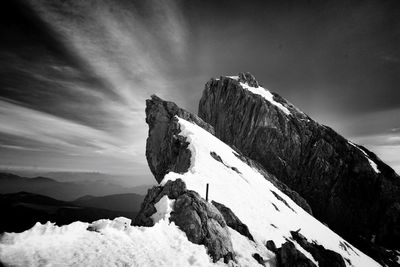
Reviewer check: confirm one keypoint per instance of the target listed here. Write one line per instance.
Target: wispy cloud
(64, 135)
(131, 53)
(131, 47)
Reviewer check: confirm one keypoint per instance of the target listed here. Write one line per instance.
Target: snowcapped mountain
(248, 218)
(347, 186)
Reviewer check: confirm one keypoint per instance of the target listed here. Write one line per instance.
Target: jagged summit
(247, 78)
(347, 186)
(242, 191)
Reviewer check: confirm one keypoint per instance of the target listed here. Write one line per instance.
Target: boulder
(199, 219)
(232, 220)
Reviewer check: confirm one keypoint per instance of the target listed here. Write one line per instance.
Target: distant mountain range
(25, 201)
(67, 191)
(119, 202)
(20, 211)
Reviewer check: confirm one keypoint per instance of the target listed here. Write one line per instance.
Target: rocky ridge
(346, 185)
(203, 222)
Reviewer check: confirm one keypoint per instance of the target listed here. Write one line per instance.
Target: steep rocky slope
(184, 150)
(347, 186)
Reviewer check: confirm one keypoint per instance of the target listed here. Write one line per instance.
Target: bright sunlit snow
(107, 243)
(267, 95)
(250, 197)
(164, 208)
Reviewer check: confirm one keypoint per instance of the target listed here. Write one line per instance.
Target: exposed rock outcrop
(346, 185)
(165, 149)
(199, 219)
(289, 256)
(232, 220)
(324, 257)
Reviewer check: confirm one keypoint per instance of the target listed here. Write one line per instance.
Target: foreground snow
(253, 199)
(107, 243)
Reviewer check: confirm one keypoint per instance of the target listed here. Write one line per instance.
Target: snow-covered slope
(269, 214)
(347, 186)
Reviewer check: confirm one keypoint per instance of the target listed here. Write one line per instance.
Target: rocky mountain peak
(165, 149)
(246, 203)
(248, 78)
(347, 186)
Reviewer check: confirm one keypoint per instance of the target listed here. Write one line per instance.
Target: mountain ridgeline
(254, 168)
(347, 186)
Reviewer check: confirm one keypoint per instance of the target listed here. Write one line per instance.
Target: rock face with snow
(232, 220)
(200, 220)
(347, 186)
(253, 205)
(165, 149)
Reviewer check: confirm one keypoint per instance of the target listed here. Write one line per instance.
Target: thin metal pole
(207, 193)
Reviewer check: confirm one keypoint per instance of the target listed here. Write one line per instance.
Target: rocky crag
(166, 151)
(211, 223)
(347, 186)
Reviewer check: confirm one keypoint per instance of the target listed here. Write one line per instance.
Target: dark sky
(74, 75)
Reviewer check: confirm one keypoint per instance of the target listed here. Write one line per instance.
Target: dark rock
(199, 219)
(166, 150)
(276, 208)
(258, 258)
(389, 230)
(219, 159)
(172, 189)
(289, 256)
(271, 246)
(278, 197)
(232, 220)
(248, 79)
(383, 256)
(324, 257)
(334, 176)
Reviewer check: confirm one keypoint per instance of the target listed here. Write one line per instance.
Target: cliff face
(250, 216)
(347, 186)
(167, 151)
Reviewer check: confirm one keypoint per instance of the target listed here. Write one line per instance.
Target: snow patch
(164, 207)
(245, 248)
(233, 77)
(371, 162)
(120, 223)
(112, 244)
(248, 194)
(267, 96)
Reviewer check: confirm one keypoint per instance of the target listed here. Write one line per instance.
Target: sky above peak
(75, 74)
